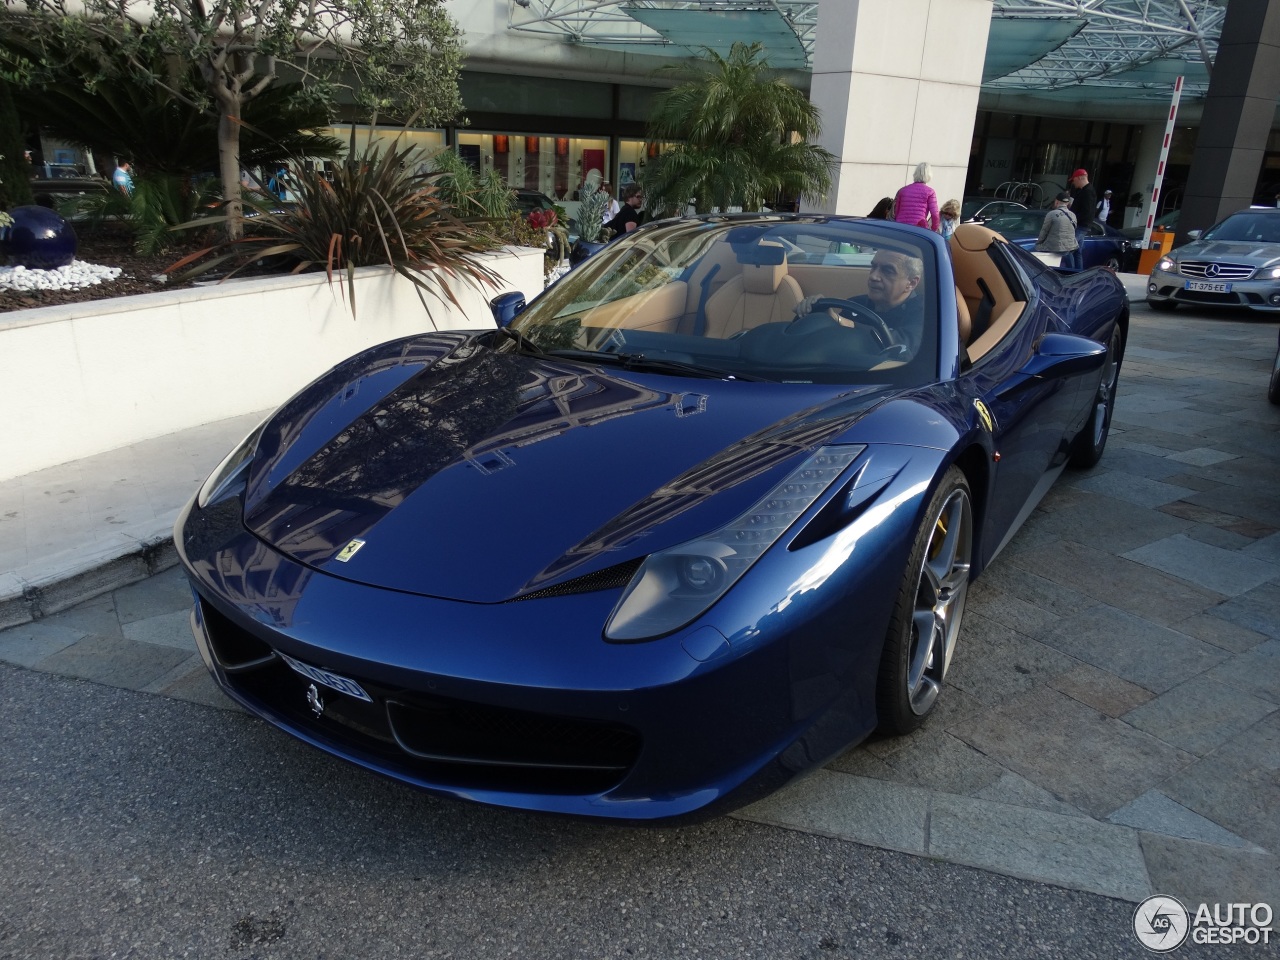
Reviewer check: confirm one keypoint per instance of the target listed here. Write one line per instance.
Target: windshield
(785, 300)
(1247, 227)
(1017, 224)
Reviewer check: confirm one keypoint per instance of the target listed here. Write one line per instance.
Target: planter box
(82, 379)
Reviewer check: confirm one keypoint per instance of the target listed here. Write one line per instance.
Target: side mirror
(506, 307)
(1058, 355)
(1194, 234)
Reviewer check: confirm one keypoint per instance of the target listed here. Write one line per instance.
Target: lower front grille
(427, 738)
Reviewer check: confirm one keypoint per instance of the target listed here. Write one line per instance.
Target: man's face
(1078, 182)
(636, 201)
(889, 284)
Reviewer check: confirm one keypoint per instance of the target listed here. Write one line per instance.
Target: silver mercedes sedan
(1235, 263)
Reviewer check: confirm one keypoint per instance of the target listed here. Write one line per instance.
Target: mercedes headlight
(675, 585)
(1166, 264)
(232, 471)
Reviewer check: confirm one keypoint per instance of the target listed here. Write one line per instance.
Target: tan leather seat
(763, 293)
(964, 318)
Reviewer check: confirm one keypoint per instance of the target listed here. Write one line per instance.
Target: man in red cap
(1084, 204)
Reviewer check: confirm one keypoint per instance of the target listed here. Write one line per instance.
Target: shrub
(376, 210)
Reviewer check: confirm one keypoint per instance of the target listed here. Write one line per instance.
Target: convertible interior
(732, 293)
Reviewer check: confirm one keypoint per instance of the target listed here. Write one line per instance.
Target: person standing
(628, 218)
(1104, 207)
(614, 208)
(916, 203)
(882, 210)
(950, 218)
(1084, 204)
(1058, 230)
(122, 178)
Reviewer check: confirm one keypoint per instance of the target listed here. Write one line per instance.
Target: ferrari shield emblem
(983, 413)
(349, 551)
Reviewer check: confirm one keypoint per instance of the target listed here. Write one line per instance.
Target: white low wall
(86, 378)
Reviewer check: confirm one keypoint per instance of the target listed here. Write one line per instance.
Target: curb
(84, 576)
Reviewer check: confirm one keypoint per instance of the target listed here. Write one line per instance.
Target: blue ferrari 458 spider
(695, 520)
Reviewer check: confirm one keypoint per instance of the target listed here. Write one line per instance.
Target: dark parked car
(982, 209)
(1235, 263)
(702, 515)
(1166, 221)
(528, 201)
(1105, 246)
(68, 195)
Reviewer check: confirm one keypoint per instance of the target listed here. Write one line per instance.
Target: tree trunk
(229, 166)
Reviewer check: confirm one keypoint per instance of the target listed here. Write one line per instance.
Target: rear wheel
(1087, 447)
(926, 618)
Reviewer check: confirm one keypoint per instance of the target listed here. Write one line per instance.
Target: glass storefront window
(557, 166)
(427, 141)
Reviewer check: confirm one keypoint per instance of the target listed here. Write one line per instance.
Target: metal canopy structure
(1061, 48)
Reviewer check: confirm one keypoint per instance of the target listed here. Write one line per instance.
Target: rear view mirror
(506, 307)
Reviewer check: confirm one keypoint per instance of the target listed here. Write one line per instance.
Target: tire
(929, 609)
(1273, 391)
(1091, 441)
(1113, 264)
(1163, 306)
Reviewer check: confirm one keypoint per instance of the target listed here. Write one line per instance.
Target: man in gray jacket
(1058, 231)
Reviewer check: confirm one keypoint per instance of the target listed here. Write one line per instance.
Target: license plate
(1206, 286)
(331, 680)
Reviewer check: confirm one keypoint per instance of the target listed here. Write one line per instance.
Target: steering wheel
(862, 314)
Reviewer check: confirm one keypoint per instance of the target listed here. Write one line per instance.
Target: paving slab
(1198, 873)
(1136, 490)
(874, 812)
(1132, 648)
(1153, 812)
(1072, 851)
(114, 661)
(1090, 760)
(1001, 663)
(1200, 714)
(1227, 572)
(1257, 610)
(1238, 785)
(1103, 691)
(1254, 673)
(1119, 583)
(1017, 791)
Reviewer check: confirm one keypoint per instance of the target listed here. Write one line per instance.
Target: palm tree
(741, 137)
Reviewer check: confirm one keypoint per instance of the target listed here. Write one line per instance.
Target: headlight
(1274, 273)
(232, 471)
(1166, 264)
(675, 585)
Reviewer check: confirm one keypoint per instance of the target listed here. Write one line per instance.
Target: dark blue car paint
(517, 492)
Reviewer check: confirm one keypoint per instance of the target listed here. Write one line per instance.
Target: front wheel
(926, 618)
(1091, 441)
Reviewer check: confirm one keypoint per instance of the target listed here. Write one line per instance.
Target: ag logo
(1161, 924)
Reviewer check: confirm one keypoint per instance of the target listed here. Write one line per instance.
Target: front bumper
(1255, 294)
(523, 704)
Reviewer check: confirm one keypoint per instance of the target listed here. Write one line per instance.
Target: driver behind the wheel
(893, 292)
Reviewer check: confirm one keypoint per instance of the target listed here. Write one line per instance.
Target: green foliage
(376, 210)
(387, 51)
(732, 120)
(591, 217)
(15, 187)
(486, 196)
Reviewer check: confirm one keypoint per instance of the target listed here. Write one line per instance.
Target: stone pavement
(1111, 722)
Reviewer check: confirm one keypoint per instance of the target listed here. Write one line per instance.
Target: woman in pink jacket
(916, 203)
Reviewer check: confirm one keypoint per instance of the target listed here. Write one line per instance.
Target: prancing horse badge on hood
(349, 551)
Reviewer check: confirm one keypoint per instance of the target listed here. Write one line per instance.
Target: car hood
(1251, 252)
(481, 475)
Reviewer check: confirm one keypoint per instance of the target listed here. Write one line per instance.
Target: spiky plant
(591, 216)
(376, 210)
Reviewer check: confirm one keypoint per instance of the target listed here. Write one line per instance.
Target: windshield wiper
(639, 361)
(523, 343)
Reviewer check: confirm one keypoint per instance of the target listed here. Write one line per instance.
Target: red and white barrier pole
(1164, 159)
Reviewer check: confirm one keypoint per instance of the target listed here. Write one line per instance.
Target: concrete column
(897, 82)
(1238, 112)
